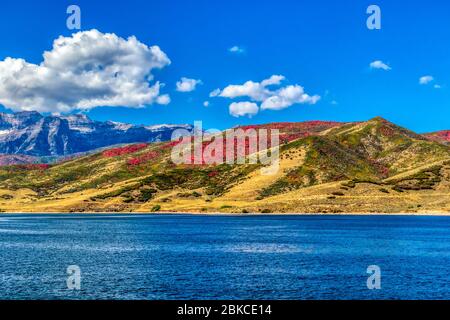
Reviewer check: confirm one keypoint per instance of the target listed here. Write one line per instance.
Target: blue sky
(324, 46)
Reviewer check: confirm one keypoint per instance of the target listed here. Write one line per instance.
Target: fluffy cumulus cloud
(187, 85)
(426, 80)
(257, 91)
(86, 70)
(265, 93)
(238, 109)
(287, 97)
(378, 64)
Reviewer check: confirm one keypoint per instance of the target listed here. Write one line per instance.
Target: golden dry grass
(364, 198)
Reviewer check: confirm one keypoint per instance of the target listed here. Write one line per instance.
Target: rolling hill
(325, 167)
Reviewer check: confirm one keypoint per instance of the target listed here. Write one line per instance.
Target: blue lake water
(223, 257)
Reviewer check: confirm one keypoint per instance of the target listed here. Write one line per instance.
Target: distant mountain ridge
(32, 134)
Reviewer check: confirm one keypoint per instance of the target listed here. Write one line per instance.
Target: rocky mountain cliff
(32, 134)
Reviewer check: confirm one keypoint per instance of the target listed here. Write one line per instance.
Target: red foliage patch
(243, 150)
(289, 131)
(212, 174)
(169, 145)
(124, 150)
(146, 157)
(443, 135)
(387, 131)
(292, 127)
(288, 137)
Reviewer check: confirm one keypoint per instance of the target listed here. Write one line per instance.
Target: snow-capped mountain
(30, 133)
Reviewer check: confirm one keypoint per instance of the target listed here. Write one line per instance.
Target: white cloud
(84, 71)
(236, 49)
(239, 109)
(163, 99)
(187, 85)
(378, 64)
(288, 96)
(426, 80)
(270, 98)
(206, 104)
(273, 80)
(437, 86)
(214, 93)
(255, 90)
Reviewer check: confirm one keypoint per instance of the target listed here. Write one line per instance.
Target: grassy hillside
(372, 166)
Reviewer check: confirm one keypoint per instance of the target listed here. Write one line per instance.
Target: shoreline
(208, 214)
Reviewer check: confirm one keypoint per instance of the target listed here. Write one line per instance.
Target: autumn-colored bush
(146, 157)
(295, 126)
(169, 145)
(238, 149)
(445, 135)
(288, 137)
(124, 150)
(387, 131)
(440, 136)
(212, 174)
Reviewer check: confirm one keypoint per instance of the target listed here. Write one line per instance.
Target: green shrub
(349, 184)
(128, 200)
(156, 208)
(146, 194)
(117, 193)
(397, 188)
